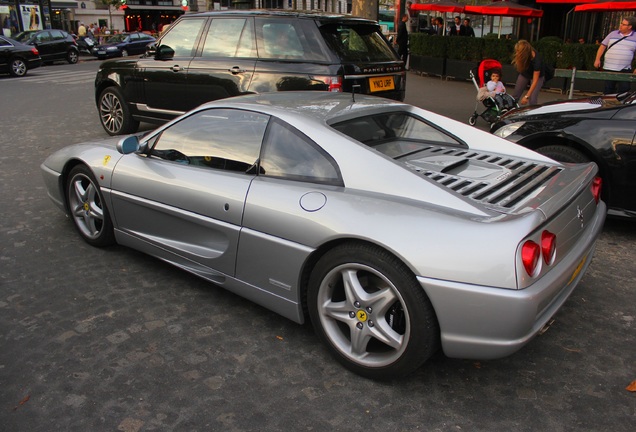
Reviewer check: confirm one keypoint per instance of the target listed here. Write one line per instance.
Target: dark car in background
(17, 58)
(53, 45)
(123, 45)
(600, 129)
(215, 55)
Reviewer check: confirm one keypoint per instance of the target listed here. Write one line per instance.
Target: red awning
(504, 8)
(607, 6)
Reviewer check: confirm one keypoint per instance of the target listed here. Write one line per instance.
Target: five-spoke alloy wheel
(18, 67)
(87, 208)
(369, 309)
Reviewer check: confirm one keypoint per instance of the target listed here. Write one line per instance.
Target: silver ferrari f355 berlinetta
(396, 231)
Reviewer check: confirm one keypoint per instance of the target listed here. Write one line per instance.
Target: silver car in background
(392, 229)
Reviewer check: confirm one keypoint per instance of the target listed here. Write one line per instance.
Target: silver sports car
(393, 229)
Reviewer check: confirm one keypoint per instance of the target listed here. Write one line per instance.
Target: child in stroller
(490, 91)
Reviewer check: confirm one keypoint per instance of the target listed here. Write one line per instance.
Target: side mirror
(130, 144)
(164, 52)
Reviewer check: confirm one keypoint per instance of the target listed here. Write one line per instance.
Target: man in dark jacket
(402, 40)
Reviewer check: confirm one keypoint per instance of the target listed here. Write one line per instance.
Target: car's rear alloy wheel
(114, 113)
(371, 312)
(124, 53)
(87, 208)
(72, 56)
(18, 67)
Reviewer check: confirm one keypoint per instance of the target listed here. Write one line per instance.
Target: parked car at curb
(53, 45)
(123, 45)
(17, 58)
(599, 129)
(214, 55)
(393, 229)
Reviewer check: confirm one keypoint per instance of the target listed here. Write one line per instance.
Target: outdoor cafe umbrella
(607, 6)
(504, 9)
(441, 6)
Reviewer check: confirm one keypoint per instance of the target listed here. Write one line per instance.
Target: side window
(289, 154)
(134, 37)
(182, 36)
(43, 37)
(230, 37)
(57, 35)
(295, 39)
(216, 138)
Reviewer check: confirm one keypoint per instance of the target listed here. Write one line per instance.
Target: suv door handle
(176, 68)
(236, 70)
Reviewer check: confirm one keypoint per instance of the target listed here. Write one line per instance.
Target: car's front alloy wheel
(370, 311)
(114, 113)
(124, 53)
(87, 208)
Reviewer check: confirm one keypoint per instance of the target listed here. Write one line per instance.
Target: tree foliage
(365, 9)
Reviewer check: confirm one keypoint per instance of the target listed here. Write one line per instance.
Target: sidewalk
(434, 93)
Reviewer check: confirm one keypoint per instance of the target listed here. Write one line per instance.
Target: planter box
(428, 65)
(459, 69)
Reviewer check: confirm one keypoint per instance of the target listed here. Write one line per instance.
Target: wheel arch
(322, 250)
(536, 142)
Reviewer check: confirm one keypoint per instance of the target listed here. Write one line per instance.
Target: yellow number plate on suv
(381, 83)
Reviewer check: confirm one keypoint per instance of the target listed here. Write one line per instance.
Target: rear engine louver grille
(520, 179)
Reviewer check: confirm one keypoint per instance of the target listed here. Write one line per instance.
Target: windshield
(396, 134)
(358, 42)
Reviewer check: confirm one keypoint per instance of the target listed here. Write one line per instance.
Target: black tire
(472, 120)
(383, 326)
(114, 113)
(563, 154)
(88, 209)
(17, 67)
(72, 56)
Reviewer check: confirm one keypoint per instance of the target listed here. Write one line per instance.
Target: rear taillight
(530, 254)
(548, 247)
(334, 83)
(35, 51)
(597, 184)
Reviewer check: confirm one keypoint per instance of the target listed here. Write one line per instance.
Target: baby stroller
(493, 109)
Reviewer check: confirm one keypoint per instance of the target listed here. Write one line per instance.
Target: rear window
(396, 134)
(358, 42)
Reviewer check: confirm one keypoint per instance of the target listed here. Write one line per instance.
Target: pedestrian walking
(616, 53)
(531, 69)
(402, 39)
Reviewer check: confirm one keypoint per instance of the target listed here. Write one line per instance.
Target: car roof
(311, 106)
(282, 13)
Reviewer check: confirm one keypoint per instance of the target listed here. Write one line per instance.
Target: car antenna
(353, 91)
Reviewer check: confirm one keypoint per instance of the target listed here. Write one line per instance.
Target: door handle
(176, 68)
(237, 70)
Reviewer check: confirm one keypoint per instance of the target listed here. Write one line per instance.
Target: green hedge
(553, 50)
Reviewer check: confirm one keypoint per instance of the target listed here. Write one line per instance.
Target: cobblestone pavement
(113, 340)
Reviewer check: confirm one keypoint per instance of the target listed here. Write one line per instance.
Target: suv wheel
(114, 113)
(72, 56)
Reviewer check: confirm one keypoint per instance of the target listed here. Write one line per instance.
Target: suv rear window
(359, 42)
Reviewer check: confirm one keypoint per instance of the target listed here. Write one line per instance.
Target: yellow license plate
(381, 84)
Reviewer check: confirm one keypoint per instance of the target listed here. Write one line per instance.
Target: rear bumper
(480, 322)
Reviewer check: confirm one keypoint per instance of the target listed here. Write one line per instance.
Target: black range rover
(214, 55)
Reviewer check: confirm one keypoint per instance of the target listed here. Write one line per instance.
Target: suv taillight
(334, 83)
